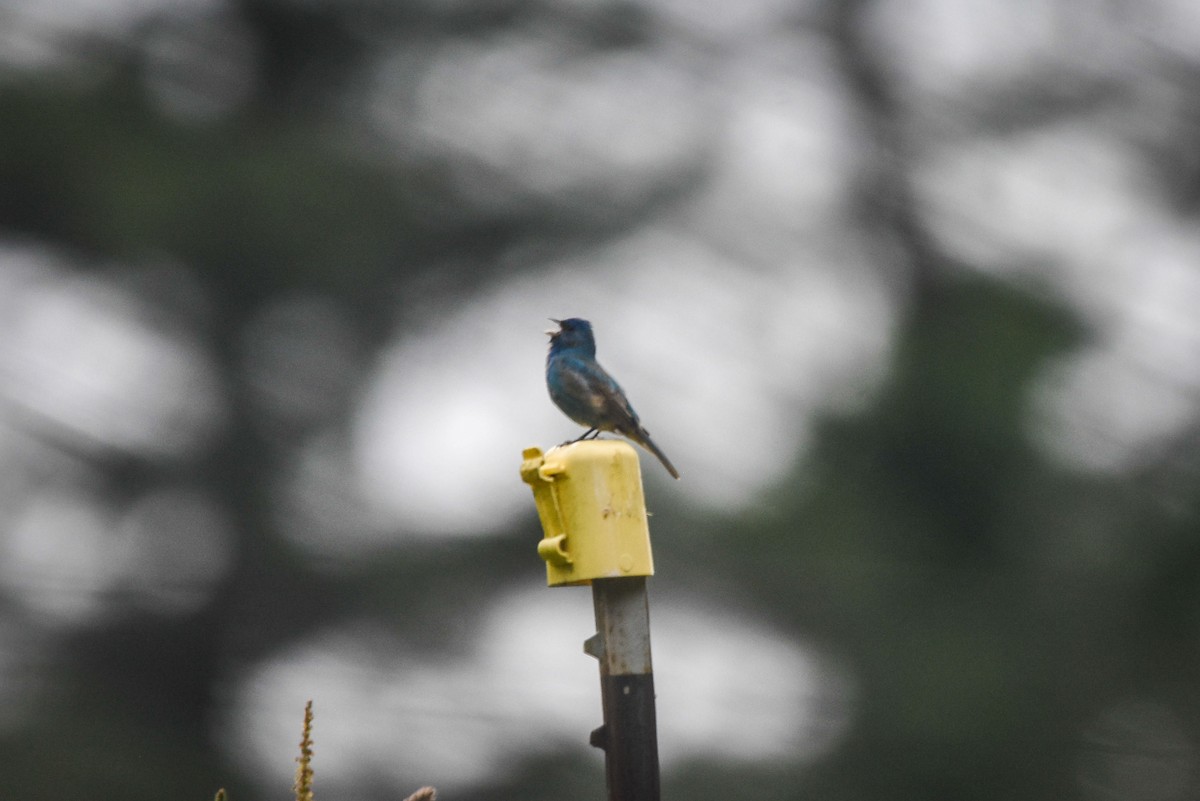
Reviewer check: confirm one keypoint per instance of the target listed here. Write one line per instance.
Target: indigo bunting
(587, 393)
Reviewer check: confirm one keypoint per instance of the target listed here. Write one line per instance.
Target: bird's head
(573, 332)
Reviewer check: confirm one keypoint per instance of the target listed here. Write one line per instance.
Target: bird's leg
(593, 432)
(590, 433)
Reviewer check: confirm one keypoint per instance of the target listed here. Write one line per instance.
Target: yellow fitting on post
(589, 499)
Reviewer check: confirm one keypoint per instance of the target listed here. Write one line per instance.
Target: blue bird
(587, 393)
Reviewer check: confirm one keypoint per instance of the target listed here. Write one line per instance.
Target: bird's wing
(590, 384)
(578, 382)
(613, 404)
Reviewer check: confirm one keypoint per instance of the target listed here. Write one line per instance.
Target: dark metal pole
(629, 735)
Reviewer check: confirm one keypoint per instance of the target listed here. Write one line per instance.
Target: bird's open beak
(552, 332)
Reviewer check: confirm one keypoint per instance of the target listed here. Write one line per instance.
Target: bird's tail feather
(644, 440)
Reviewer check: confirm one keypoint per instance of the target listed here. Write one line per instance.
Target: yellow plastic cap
(593, 513)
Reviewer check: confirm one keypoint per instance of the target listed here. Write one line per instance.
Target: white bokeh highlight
(82, 359)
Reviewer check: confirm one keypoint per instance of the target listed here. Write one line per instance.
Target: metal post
(596, 531)
(629, 735)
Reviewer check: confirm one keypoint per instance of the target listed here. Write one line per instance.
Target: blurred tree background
(907, 289)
